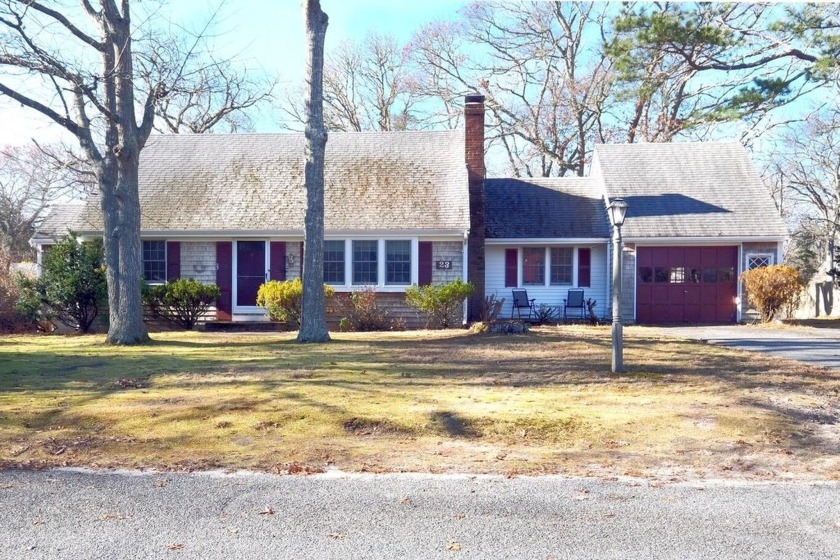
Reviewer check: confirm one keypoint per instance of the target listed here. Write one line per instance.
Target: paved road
(60, 514)
(806, 344)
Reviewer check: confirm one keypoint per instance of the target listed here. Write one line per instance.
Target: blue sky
(266, 35)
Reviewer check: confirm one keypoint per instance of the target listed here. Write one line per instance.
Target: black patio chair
(521, 301)
(574, 300)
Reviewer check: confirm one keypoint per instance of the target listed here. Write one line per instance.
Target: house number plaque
(443, 265)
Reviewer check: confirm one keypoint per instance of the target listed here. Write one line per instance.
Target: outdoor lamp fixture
(618, 211)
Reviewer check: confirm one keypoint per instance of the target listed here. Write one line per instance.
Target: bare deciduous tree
(546, 89)
(203, 92)
(808, 170)
(29, 182)
(74, 91)
(367, 86)
(313, 327)
(79, 68)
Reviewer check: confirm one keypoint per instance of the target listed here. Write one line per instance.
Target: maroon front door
(250, 271)
(686, 284)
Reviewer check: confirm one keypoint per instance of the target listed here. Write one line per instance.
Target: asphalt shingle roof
(236, 182)
(61, 219)
(544, 208)
(702, 189)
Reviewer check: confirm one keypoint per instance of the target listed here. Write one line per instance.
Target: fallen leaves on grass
(296, 468)
(127, 383)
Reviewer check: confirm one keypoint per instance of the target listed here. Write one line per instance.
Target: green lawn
(425, 401)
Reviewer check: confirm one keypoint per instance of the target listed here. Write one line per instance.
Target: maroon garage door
(686, 284)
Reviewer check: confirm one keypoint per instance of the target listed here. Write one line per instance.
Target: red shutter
(584, 267)
(511, 267)
(277, 268)
(224, 280)
(173, 260)
(424, 262)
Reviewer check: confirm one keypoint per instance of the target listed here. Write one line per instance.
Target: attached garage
(686, 284)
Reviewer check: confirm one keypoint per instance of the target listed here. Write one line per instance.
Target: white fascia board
(709, 241)
(36, 241)
(549, 241)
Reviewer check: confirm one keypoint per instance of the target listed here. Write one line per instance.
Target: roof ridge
(690, 142)
(293, 133)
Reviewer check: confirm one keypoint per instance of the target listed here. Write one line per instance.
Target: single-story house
(416, 207)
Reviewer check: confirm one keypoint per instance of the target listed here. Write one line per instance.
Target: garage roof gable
(697, 189)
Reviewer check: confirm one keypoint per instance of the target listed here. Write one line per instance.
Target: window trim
(165, 261)
(771, 259)
(573, 252)
(544, 267)
(343, 263)
(546, 283)
(381, 269)
(376, 244)
(411, 259)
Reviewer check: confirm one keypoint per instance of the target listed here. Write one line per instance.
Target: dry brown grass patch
(442, 401)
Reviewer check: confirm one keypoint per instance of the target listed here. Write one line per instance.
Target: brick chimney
(474, 158)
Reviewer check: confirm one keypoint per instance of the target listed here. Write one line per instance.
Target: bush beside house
(72, 287)
(773, 289)
(442, 303)
(284, 300)
(181, 302)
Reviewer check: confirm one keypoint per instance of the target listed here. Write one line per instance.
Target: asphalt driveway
(101, 515)
(819, 347)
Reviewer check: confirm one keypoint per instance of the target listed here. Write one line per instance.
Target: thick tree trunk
(120, 194)
(123, 256)
(313, 326)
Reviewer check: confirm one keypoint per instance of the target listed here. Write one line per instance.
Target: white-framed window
(387, 264)
(154, 261)
(533, 266)
(562, 266)
(365, 262)
(398, 262)
(551, 266)
(334, 262)
(759, 260)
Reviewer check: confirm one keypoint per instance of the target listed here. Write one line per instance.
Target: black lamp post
(618, 211)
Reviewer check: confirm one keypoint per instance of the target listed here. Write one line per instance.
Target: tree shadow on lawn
(544, 358)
